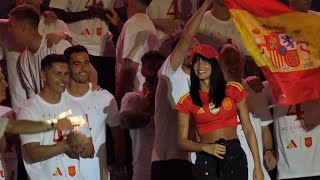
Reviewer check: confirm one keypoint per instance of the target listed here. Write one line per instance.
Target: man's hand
(254, 83)
(64, 124)
(55, 38)
(270, 160)
(97, 11)
(114, 18)
(77, 142)
(49, 17)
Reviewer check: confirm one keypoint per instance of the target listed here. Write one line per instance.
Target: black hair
(152, 55)
(217, 83)
(26, 13)
(47, 61)
(74, 49)
(145, 2)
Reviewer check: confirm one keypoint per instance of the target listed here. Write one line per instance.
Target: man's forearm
(28, 127)
(127, 76)
(133, 120)
(267, 140)
(71, 17)
(37, 152)
(119, 144)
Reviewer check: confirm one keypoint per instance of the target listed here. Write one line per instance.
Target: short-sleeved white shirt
(91, 33)
(297, 149)
(171, 86)
(137, 37)
(60, 166)
(9, 158)
(100, 108)
(142, 138)
(30, 65)
(222, 30)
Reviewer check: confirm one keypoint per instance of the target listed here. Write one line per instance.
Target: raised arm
(189, 31)
(96, 11)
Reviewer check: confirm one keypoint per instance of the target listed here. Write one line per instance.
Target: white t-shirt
(259, 116)
(166, 9)
(222, 30)
(30, 65)
(9, 159)
(171, 86)
(142, 138)
(91, 33)
(137, 37)
(12, 52)
(60, 166)
(58, 26)
(297, 149)
(100, 108)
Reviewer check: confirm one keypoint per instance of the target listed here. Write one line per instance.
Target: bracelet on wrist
(268, 150)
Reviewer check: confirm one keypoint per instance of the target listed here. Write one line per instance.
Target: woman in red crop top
(214, 105)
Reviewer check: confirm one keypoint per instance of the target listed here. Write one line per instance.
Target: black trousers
(173, 169)
(232, 167)
(105, 67)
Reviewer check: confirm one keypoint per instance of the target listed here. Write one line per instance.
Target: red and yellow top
(208, 118)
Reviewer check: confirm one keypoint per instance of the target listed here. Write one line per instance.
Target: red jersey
(207, 117)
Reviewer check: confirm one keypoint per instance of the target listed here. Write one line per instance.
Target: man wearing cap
(168, 162)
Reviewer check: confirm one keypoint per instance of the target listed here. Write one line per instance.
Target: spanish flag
(284, 43)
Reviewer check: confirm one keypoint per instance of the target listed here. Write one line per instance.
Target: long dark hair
(217, 83)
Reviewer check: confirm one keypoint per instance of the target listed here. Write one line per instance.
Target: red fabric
(259, 8)
(205, 50)
(207, 121)
(304, 89)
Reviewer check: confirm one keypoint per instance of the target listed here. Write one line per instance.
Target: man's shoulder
(31, 104)
(102, 95)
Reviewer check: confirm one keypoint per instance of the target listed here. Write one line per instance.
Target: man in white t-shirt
(12, 51)
(137, 37)
(49, 155)
(168, 162)
(100, 108)
(296, 133)
(24, 20)
(89, 26)
(136, 114)
(8, 142)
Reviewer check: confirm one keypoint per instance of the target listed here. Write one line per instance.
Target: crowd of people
(174, 75)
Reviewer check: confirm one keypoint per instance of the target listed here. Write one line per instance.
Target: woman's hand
(257, 173)
(215, 149)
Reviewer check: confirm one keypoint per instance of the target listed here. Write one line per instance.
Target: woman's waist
(227, 133)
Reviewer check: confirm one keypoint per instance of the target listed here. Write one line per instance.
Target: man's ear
(43, 75)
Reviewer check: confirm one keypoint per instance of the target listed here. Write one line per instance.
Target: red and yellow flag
(285, 44)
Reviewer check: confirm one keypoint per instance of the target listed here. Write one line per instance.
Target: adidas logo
(201, 111)
(292, 144)
(57, 172)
